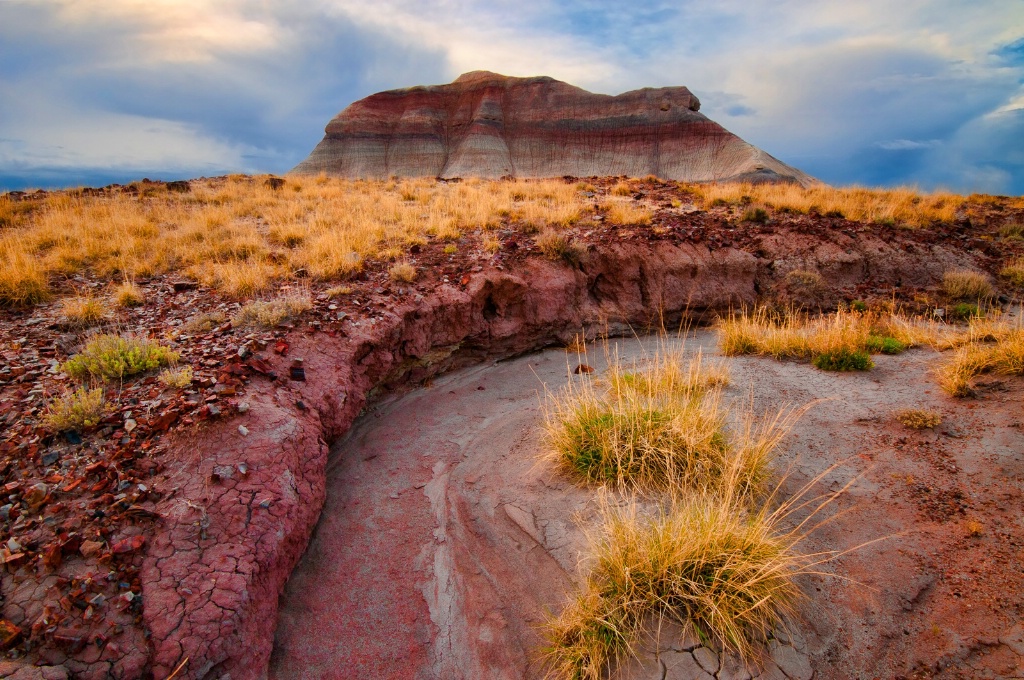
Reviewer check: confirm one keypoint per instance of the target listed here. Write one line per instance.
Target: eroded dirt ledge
(244, 505)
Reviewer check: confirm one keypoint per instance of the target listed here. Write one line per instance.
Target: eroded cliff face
(489, 125)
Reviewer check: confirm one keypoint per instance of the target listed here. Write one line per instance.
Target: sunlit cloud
(871, 92)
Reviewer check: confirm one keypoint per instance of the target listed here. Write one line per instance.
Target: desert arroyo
(488, 125)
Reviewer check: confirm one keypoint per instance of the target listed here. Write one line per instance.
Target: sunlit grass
(241, 237)
(899, 206)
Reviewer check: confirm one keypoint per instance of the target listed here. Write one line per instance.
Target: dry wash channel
(444, 544)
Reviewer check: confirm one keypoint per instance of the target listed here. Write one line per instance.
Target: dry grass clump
(128, 295)
(558, 246)
(109, 357)
(176, 377)
(335, 292)
(964, 284)
(23, 278)
(1014, 273)
(75, 410)
(837, 342)
(706, 563)
(204, 322)
(402, 272)
(83, 311)
(621, 189)
(1012, 231)
(270, 313)
(661, 426)
(919, 419)
(241, 236)
(1001, 352)
(626, 212)
(905, 206)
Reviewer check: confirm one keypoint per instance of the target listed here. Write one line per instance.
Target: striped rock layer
(488, 125)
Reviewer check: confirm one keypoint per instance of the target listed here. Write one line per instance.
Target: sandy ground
(445, 541)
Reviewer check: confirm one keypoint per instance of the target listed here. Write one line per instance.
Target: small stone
(50, 458)
(794, 664)
(733, 668)
(682, 666)
(707, 659)
(222, 472)
(13, 545)
(243, 430)
(243, 468)
(130, 425)
(90, 548)
(243, 351)
(243, 407)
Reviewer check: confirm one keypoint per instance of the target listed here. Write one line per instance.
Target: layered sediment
(488, 125)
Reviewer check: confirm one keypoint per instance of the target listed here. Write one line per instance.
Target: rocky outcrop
(488, 125)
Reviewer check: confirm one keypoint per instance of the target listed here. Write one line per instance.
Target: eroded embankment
(243, 506)
(257, 525)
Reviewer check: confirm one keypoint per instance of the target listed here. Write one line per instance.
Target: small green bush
(964, 310)
(858, 306)
(883, 344)
(843, 359)
(110, 357)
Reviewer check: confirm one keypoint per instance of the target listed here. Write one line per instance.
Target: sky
(873, 92)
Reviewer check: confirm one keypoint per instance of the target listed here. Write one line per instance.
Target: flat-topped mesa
(488, 125)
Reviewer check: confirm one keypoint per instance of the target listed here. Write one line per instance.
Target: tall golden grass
(903, 206)
(240, 236)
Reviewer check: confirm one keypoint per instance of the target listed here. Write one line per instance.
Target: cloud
(868, 92)
(92, 91)
(908, 144)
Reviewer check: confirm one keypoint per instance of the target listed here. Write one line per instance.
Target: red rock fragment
(90, 548)
(583, 368)
(9, 634)
(128, 545)
(281, 347)
(164, 421)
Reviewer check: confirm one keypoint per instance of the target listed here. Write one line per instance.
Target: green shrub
(882, 344)
(843, 359)
(964, 310)
(858, 306)
(109, 357)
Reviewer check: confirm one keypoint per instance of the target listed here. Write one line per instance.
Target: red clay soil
(138, 550)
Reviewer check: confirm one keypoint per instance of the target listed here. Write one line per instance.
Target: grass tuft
(1014, 273)
(709, 564)
(109, 357)
(75, 410)
(204, 322)
(83, 311)
(919, 419)
(557, 246)
(128, 295)
(964, 284)
(657, 427)
(402, 272)
(991, 348)
(177, 377)
(270, 313)
(843, 359)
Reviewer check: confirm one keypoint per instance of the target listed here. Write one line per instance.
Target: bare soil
(446, 540)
